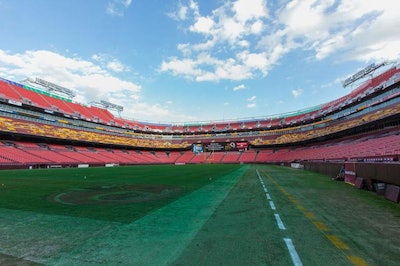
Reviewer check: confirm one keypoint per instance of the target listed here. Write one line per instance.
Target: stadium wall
(382, 178)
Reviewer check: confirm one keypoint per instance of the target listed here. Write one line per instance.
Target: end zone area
(193, 214)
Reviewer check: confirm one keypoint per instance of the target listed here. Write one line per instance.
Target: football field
(206, 214)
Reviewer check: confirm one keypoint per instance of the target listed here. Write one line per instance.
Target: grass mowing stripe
(159, 237)
(336, 241)
(67, 192)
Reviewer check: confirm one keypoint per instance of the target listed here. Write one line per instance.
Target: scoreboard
(220, 146)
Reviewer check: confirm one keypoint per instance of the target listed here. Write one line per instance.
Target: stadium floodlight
(361, 74)
(112, 106)
(49, 86)
(108, 105)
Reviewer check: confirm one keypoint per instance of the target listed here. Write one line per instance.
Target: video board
(220, 146)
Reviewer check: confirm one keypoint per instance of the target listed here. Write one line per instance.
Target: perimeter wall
(388, 173)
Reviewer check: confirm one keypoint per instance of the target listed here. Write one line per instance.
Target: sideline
(159, 237)
(288, 241)
(336, 241)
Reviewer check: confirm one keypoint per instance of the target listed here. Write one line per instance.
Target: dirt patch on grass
(114, 194)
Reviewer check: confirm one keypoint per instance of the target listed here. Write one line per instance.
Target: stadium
(41, 127)
(229, 132)
(81, 185)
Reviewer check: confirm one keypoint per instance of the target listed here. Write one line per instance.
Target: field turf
(192, 215)
(34, 190)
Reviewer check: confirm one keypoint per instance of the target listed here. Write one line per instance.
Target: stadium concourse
(42, 127)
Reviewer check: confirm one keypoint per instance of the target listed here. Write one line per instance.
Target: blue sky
(187, 60)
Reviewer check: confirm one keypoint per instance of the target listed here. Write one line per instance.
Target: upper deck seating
(80, 110)
(101, 115)
(7, 91)
(32, 98)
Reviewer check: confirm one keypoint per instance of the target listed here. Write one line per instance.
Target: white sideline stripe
(279, 222)
(272, 205)
(293, 253)
(262, 182)
(268, 196)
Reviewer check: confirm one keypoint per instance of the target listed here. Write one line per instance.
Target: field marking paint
(289, 244)
(321, 226)
(301, 208)
(59, 200)
(264, 187)
(292, 251)
(309, 215)
(279, 222)
(357, 261)
(336, 241)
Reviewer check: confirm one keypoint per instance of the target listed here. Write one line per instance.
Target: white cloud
(250, 9)
(202, 25)
(297, 93)
(252, 98)
(251, 102)
(183, 12)
(239, 87)
(91, 81)
(229, 27)
(186, 67)
(117, 7)
(254, 61)
(180, 13)
(257, 38)
(358, 31)
(109, 62)
(115, 66)
(154, 113)
(257, 27)
(207, 68)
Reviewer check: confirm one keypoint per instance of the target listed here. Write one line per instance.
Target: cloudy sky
(188, 60)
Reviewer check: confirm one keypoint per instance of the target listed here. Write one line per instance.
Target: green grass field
(30, 189)
(192, 215)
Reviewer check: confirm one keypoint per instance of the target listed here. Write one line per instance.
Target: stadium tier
(38, 128)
